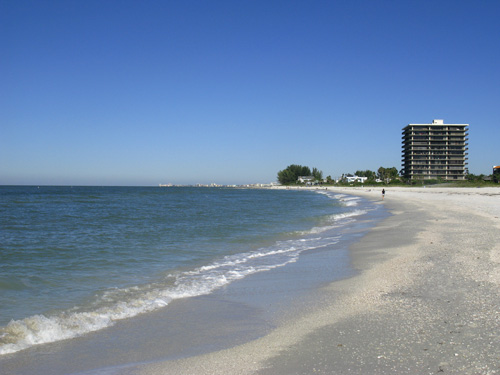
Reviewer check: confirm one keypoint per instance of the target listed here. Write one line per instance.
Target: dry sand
(427, 299)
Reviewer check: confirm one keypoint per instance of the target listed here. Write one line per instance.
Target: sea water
(74, 260)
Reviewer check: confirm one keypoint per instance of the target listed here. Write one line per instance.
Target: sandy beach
(426, 299)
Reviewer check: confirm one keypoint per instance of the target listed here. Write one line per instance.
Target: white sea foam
(117, 304)
(346, 200)
(346, 215)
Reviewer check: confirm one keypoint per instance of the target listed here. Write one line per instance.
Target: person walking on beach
(383, 194)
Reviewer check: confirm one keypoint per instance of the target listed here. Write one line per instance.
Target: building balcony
(420, 143)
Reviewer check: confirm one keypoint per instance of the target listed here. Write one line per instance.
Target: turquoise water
(76, 259)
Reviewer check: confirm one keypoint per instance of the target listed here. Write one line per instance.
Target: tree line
(290, 175)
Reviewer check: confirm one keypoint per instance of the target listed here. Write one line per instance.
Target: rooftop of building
(438, 122)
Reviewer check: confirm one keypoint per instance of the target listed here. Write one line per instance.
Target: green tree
(393, 172)
(381, 173)
(286, 177)
(317, 174)
(387, 173)
(290, 174)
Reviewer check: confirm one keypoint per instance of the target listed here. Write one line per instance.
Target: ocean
(75, 260)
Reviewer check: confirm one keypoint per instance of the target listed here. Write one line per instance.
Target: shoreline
(425, 301)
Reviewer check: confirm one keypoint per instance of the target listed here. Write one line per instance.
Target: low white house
(356, 179)
(306, 179)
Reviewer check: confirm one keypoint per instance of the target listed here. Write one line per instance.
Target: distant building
(351, 179)
(306, 179)
(436, 150)
(496, 173)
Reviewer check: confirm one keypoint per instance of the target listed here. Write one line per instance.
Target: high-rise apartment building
(433, 151)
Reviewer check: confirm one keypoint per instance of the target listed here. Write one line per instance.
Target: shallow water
(75, 260)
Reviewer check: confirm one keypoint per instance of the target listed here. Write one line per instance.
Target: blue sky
(148, 92)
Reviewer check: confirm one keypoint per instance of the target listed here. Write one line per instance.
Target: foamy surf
(114, 305)
(347, 200)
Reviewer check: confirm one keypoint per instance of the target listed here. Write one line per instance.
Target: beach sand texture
(427, 299)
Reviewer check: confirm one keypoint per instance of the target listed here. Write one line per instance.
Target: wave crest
(117, 304)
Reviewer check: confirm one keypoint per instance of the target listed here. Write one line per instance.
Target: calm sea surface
(76, 259)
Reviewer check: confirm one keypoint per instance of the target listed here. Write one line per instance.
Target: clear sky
(147, 92)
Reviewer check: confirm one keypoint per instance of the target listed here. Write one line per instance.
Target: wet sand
(426, 299)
